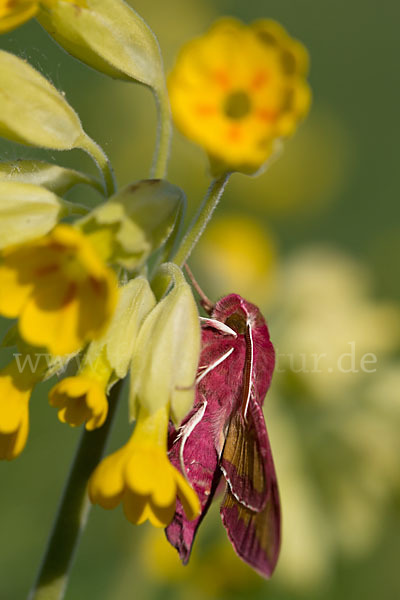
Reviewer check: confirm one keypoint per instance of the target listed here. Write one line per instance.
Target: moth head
(237, 313)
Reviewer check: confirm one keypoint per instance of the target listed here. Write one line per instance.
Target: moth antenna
(204, 300)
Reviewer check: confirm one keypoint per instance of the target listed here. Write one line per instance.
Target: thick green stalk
(73, 511)
(201, 219)
(164, 135)
(162, 280)
(104, 165)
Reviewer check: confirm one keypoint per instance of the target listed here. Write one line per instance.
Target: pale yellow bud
(109, 36)
(167, 351)
(26, 212)
(135, 222)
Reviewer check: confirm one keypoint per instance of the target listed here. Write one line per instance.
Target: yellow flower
(237, 90)
(59, 289)
(141, 477)
(14, 13)
(16, 385)
(81, 398)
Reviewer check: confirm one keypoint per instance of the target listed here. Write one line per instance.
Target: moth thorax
(237, 322)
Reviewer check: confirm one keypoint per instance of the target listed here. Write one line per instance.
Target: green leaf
(109, 36)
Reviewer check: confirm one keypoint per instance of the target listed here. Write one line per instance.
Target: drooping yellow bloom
(237, 90)
(141, 477)
(83, 398)
(16, 385)
(14, 13)
(60, 290)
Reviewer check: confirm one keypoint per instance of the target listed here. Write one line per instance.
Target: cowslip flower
(16, 385)
(14, 13)
(237, 90)
(83, 398)
(58, 288)
(141, 477)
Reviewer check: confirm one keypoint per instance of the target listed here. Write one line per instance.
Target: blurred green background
(315, 241)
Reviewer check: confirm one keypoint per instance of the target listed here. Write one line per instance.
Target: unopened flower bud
(135, 222)
(167, 351)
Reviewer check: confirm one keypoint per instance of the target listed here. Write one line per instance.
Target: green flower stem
(101, 160)
(201, 219)
(73, 511)
(72, 208)
(164, 135)
(96, 184)
(161, 280)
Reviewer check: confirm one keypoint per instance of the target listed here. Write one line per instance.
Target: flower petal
(57, 329)
(97, 299)
(12, 444)
(14, 398)
(106, 485)
(13, 294)
(17, 15)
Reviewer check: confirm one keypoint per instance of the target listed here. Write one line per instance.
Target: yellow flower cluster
(237, 90)
(63, 296)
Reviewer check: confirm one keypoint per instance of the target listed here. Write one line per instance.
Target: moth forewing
(193, 452)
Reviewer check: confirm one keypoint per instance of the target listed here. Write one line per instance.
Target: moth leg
(204, 300)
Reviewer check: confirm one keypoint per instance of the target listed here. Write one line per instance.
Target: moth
(224, 437)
